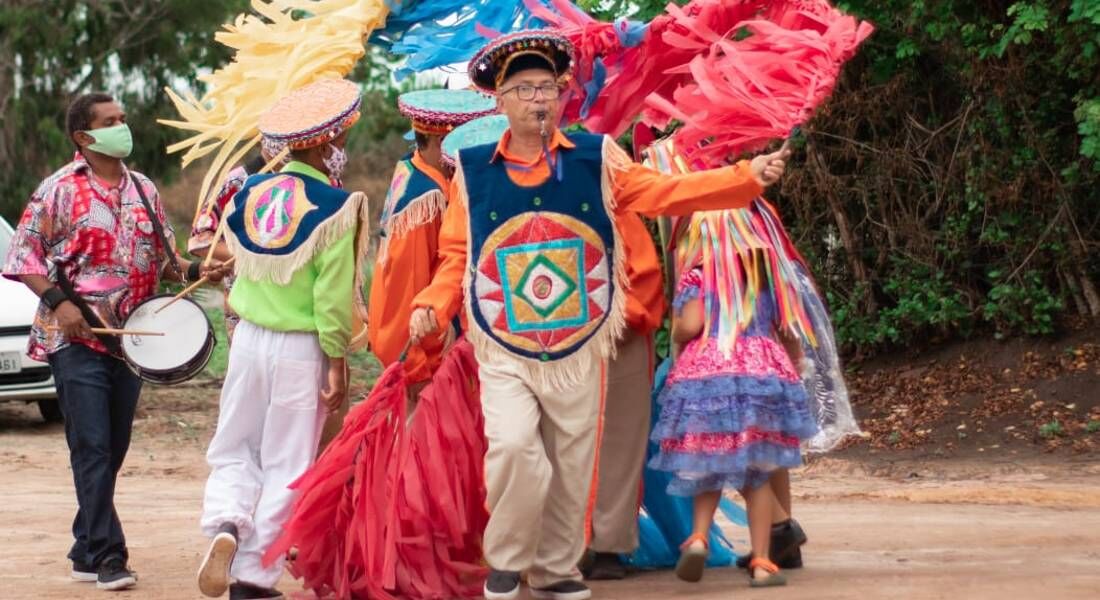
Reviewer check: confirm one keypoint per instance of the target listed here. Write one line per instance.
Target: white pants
(538, 471)
(269, 423)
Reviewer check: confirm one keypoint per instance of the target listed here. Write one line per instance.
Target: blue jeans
(97, 394)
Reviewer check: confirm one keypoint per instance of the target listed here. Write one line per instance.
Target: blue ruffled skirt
(729, 421)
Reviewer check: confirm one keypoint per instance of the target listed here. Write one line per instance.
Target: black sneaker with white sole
(84, 573)
(113, 575)
(502, 585)
(562, 590)
(214, 571)
(247, 591)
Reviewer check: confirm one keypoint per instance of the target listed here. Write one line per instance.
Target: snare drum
(184, 349)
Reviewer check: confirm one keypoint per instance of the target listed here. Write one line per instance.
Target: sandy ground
(1005, 528)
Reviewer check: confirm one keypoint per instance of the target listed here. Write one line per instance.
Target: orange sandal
(693, 558)
(774, 578)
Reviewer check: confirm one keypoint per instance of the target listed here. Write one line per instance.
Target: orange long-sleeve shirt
(410, 262)
(645, 298)
(636, 189)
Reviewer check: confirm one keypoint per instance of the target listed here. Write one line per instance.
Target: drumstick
(111, 331)
(192, 287)
(214, 242)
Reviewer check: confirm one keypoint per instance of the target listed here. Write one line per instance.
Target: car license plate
(11, 362)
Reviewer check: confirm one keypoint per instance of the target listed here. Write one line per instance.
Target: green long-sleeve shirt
(318, 297)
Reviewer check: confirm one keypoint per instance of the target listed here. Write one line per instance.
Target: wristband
(193, 271)
(53, 298)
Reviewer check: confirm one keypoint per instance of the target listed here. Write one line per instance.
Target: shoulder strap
(169, 251)
(109, 341)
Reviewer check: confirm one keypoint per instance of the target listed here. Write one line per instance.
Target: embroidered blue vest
(409, 184)
(275, 214)
(542, 259)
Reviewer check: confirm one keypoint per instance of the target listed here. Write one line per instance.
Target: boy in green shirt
(293, 237)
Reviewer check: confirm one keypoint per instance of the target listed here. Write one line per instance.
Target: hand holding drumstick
(213, 274)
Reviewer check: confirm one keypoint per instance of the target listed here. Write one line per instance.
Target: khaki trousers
(538, 470)
(623, 446)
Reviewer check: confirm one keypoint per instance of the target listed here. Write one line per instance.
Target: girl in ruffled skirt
(733, 411)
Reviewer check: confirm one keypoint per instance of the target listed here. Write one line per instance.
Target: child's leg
(780, 482)
(761, 502)
(693, 554)
(703, 515)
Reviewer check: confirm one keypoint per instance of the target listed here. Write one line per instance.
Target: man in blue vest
(530, 242)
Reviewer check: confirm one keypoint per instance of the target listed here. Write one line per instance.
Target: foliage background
(950, 186)
(948, 189)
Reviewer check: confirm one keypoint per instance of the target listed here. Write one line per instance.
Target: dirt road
(1005, 528)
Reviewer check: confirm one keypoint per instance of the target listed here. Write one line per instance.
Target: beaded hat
(437, 112)
(313, 115)
(486, 130)
(489, 66)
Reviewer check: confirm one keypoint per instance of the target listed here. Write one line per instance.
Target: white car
(21, 379)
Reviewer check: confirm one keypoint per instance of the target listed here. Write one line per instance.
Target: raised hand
(769, 168)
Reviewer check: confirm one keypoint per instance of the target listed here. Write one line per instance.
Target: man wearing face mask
(293, 236)
(93, 243)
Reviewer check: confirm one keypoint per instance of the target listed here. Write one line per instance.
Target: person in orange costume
(408, 252)
(626, 413)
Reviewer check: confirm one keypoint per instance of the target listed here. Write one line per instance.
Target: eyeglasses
(524, 91)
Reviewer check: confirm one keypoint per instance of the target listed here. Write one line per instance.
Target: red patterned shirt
(205, 226)
(100, 235)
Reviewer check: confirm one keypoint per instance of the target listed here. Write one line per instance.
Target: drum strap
(159, 228)
(109, 341)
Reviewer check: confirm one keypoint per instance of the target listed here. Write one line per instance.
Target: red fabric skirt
(396, 511)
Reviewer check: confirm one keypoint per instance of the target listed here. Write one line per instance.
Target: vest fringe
(281, 268)
(420, 211)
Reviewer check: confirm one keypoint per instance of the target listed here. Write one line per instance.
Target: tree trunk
(844, 228)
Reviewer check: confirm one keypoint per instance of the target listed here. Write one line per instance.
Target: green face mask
(113, 141)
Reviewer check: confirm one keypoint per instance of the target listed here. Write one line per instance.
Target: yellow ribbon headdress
(286, 45)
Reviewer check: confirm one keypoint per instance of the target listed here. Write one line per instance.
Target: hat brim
(438, 111)
(486, 130)
(313, 115)
(486, 66)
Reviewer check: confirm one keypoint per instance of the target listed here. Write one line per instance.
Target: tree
(52, 51)
(949, 185)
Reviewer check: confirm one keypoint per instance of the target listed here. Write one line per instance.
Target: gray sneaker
(114, 575)
(83, 572)
(214, 571)
(502, 585)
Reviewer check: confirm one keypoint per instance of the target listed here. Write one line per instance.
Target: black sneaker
(563, 590)
(786, 546)
(502, 585)
(84, 572)
(114, 575)
(214, 571)
(605, 566)
(787, 541)
(247, 591)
